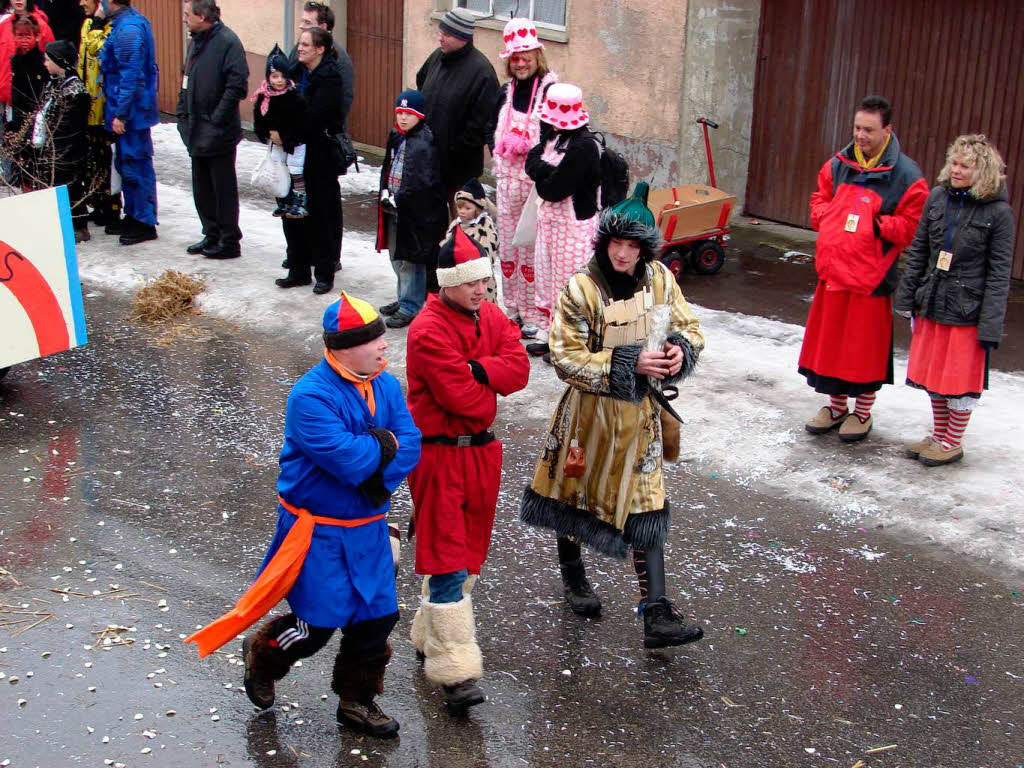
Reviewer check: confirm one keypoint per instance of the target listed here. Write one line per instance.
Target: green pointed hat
(631, 220)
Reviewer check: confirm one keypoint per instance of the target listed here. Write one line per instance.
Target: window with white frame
(543, 13)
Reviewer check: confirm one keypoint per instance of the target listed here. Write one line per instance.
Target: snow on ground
(744, 408)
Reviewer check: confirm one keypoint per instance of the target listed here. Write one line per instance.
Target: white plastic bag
(271, 175)
(115, 177)
(526, 229)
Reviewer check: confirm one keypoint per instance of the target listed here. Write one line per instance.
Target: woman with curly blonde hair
(954, 289)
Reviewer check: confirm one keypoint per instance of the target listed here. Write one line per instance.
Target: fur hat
(277, 61)
(411, 101)
(349, 322)
(459, 23)
(62, 53)
(473, 191)
(461, 260)
(631, 220)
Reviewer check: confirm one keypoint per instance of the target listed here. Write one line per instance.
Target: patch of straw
(169, 295)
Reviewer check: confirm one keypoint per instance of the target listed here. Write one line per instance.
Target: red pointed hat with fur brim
(461, 260)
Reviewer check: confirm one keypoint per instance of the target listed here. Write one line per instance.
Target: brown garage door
(949, 67)
(375, 45)
(165, 18)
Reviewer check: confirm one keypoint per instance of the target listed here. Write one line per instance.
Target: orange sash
(273, 584)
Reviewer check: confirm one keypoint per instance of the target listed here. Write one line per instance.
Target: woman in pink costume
(516, 130)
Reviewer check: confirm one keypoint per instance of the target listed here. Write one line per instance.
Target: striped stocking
(837, 404)
(940, 418)
(957, 425)
(864, 403)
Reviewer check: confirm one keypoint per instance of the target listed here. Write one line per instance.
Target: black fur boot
(358, 681)
(265, 664)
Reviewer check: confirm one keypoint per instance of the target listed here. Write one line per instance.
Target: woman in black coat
(954, 286)
(315, 241)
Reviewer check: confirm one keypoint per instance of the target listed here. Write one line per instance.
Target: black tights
(298, 640)
(649, 565)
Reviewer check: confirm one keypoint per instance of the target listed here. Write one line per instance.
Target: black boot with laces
(664, 625)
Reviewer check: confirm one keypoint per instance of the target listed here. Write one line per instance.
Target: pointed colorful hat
(351, 322)
(461, 260)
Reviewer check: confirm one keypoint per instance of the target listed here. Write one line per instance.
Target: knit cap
(352, 322)
(459, 22)
(631, 220)
(277, 61)
(461, 260)
(411, 101)
(473, 191)
(62, 53)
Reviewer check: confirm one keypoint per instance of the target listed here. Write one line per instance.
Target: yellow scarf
(874, 160)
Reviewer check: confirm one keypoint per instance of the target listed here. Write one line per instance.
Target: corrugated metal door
(165, 18)
(947, 66)
(375, 45)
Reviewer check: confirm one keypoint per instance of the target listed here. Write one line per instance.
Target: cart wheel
(3, 372)
(708, 257)
(676, 263)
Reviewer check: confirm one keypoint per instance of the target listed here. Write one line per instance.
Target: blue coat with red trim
(328, 453)
(887, 201)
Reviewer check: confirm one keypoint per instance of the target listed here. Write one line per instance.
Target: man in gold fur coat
(622, 333)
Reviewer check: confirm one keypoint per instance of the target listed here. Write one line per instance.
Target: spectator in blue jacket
(130, 77)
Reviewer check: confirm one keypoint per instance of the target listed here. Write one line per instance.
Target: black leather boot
(664, 624)
(579, 595)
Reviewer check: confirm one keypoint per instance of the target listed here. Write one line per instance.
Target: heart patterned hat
(520, 36)
(563, 107)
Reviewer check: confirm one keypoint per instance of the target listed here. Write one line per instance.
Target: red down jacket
(892, 194)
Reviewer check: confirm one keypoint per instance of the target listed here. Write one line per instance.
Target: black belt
(461, 441)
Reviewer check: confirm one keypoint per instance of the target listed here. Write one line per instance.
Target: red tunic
(455, 490)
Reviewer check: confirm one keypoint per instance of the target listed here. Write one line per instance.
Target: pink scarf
(270, 93)
(513, 143)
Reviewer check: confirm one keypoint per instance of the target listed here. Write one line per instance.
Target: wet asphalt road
(143, 470)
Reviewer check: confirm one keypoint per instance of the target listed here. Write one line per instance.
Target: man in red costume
(462, 353)
(869, 198)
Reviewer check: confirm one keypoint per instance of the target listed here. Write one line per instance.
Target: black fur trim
(624, 383)
(612, 224)
(353, 337)
(646, 530)
(690, 356)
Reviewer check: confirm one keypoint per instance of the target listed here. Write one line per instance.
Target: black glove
(373, 487)
(479, 372)
(989, 346)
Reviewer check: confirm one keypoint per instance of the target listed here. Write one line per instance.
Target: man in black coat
(215, 78)
(459, 85)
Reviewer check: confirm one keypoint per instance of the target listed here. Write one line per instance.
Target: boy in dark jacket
(58, 131)
(280, 115)
(411, 213)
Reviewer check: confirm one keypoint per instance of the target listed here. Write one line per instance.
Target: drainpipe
(289, 25)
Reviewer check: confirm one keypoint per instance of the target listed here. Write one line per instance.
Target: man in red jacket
(462, 352)
(869, 198)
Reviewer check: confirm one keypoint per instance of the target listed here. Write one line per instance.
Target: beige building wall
(626, 55)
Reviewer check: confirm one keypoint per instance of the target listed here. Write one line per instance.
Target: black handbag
(344, 152)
